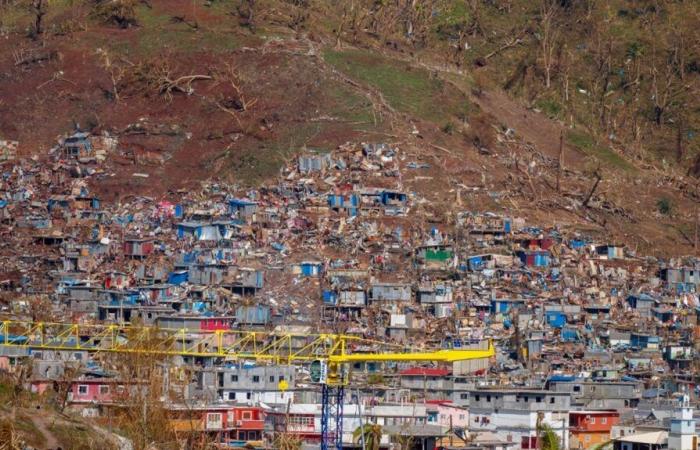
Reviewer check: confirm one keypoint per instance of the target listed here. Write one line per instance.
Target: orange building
(591, 428)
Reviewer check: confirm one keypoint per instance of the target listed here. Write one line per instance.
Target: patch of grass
(13, 18)
(29, 432)
(149, 18)
(158, 32)
(449, 18)
(409, 90)
(255, 166)
(77, 436)
(585, 142)
(551, 108)
(17, 16)
(6, 390)
(350, 106)
(185, 41)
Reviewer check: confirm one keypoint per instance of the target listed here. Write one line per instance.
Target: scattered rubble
(340, 243)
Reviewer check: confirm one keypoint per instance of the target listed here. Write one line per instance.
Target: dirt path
(39, 421)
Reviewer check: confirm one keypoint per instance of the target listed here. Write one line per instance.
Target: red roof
(425, 372)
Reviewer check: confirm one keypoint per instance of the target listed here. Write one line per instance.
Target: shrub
(118, 12)
(664, 206)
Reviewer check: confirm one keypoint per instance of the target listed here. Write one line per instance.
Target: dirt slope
(253, 100)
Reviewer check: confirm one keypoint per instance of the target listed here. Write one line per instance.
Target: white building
(682, 435)
(305, 419)
(513, 414)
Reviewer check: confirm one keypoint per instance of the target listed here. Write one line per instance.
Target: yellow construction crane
(327, 354)
(233, 344)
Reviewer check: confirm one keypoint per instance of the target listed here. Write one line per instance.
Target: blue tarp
(562, 378)
(178, 277)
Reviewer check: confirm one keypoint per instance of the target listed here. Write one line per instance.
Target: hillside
(31, 421)
(230, 90)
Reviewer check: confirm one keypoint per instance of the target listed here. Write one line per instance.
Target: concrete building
(590, 429)
(247, 384)
(600, 394)
(513, 414)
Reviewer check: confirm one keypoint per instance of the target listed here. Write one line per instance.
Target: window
(476, 419)
(461, 417)
(488, 398)
(272, 378)
(231, 395)
(463, 396)
(592, 420)
(82, 389)
(538, 399)
(477, 398)
(256, 379)
(551, 400)
(603, 420)
(120, 389)
(248, 395)
(234, 378)
(280, 378)
(104, 389)
(213, 417)
(526, 398)
(529, 442)
(78, 356)
(303, 421)
(247, 415)
(577, 388)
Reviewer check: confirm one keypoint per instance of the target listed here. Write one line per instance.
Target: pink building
(446, 414)
(98, 390)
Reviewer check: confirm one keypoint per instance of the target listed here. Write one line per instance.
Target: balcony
(248, 424)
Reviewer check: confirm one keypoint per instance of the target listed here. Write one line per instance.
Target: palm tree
(546, 437)
(372, 435)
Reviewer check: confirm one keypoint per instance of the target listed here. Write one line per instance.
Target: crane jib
(229, 344)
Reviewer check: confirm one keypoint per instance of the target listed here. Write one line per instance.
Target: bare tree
(237, 103)
(62, 386)
(549, 34)
(246, 13)
(668, 84)
(116, 69)
(39, 9)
